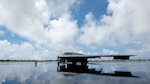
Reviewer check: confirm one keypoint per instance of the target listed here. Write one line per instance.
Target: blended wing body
(79, 55)
(74, 63)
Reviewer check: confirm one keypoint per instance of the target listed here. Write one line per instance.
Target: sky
(44, 29)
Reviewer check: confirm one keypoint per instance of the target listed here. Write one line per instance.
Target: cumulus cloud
(2, 32)
(24, 18)
(93, 33)
(125, 23)
(27, 18)
(46, 23)
(62, 32)
(24, 50)
(110, 29)
(109, 52)
(49, 27)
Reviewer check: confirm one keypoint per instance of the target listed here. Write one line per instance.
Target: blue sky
(97, 7)
(43, 29)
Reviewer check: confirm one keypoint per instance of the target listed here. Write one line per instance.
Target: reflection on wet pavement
(84, 69)
(51, 73)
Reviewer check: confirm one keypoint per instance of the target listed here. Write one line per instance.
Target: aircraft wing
(118, 56)
(96, 56)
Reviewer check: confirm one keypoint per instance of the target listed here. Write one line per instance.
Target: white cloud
(59, 7)
(93, 33)
(27, 19)
(23, 18)
(109, 52)
(24, 50)
(2, 32)
(127, 21)
(62, 31)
